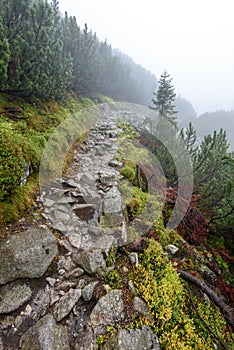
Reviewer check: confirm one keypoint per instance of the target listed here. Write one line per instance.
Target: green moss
(175, 322)
(129, 172)
(128, 131)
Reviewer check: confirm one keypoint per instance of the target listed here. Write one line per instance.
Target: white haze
(192, 39)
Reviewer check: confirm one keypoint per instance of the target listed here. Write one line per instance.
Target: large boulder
(137, 339)
(45, 335)
(27, 254)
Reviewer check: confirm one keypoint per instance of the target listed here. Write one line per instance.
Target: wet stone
(75, 273)
(108, 176)
(115, 163)
(172, 249)
(84, 211)
(45, 335)
(71, 183)
(27, 254)
(108, 311)
(87, 292)
(112, 208)
(91, 261)
(137, 339)
(61, 216)
(66, 304)
(13, 296)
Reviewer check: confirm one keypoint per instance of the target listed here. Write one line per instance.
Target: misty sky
(192, 39)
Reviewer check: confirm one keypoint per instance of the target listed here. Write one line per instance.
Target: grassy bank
(25, 127)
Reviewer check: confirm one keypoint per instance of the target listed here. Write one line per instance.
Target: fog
(193, 40)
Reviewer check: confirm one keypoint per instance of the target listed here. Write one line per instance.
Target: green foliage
(221, 263)
(102, 339)
(38, 65)
(214, 168)
(175, 323)
(189, 137)
(128, 131)
(113, 278)
(11, 159)
(213, 165)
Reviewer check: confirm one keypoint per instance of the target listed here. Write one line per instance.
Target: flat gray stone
(139, 339)
(112, 208)
(91, 261)
(61, 216)
(108, 311)
(98, 151)
(75, 273)
(75, 239)
(86, 339)
(108, 176)
(66, 304)
(105, 243)
(71, 183)
(27, 254)
(13, 296)
(49, 203)
(45, 335)
(59, 226)
(115, 163)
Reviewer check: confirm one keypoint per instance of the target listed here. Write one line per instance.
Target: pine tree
(164, 97)
(38, 65)
(213, 177)
(189, 137)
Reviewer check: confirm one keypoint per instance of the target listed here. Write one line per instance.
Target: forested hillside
(208, 122)
(45, 54)
(205, 123)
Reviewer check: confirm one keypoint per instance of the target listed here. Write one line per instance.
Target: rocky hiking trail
(52, 268)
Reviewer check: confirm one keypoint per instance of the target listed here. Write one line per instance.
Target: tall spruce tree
(164, 97)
